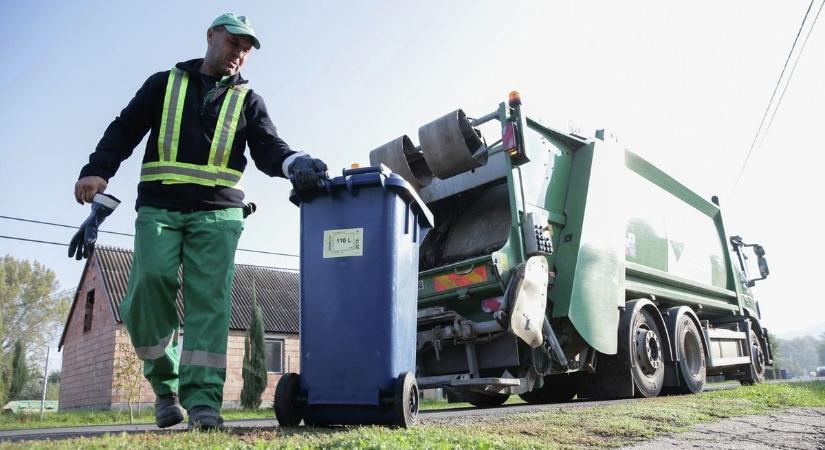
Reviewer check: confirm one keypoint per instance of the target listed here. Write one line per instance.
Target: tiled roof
(277, 291)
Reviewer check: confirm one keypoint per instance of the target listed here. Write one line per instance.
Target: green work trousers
(202, 246)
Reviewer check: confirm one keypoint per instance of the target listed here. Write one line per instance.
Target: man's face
(226, 52)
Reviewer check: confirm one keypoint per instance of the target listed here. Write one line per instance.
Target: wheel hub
(759, 357)
(648, 350)
(413, 401)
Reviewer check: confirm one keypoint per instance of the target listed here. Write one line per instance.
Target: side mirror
(761, 261)
(739, 246)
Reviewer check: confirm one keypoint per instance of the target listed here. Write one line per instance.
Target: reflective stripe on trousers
(205, 359)
(154, 351)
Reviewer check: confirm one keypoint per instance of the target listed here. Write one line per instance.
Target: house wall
(234, 378)
(86, 379)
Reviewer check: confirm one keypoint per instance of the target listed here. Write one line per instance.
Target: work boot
(167, 411)
(205, 418)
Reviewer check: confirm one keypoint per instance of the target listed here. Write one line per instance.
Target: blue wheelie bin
(359, 286)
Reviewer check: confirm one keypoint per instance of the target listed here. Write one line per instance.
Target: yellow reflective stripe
(169, 130)
(213, 149)
(205, 175)
(199, 167)
(164, 115)
(233, 124)
(168, 178)
(237, 173)
(178, 115)
(226, 125)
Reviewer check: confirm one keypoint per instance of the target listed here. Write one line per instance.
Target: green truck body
(641, 290)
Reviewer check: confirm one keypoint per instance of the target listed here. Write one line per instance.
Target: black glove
(83, 242)
(307, 174)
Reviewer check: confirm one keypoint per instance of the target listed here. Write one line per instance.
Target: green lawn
(70, 419)
(568, 427)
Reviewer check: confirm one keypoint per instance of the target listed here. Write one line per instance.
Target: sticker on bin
(341, 243)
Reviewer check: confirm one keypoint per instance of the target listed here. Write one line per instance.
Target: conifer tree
(254, 360)
(19, 371)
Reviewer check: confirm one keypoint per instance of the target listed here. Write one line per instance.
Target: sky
(684, 84)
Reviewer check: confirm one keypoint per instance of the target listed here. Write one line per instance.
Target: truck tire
(691, 356)
(757, 367)
(556, 389)
(480, 400)
(637, 369)
(648, 354)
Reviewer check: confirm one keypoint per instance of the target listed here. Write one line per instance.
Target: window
(274, 349)
(90, 309)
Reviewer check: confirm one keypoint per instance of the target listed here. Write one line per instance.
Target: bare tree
(128, 375)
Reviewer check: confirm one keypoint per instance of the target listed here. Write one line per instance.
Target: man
(200, 116)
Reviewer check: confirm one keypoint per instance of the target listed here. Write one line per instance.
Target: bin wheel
(405, 400)
(288, 410)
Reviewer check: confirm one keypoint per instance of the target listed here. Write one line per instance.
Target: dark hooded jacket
(200, 116)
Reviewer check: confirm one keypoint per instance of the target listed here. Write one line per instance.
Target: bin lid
(362, 177)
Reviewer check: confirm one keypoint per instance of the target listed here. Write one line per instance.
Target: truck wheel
(405, 400)
(480, 400)
(288, 410)
(757, 361)
(556, 389)
(648, 369)
(691, 355)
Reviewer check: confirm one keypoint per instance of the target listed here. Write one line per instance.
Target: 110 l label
(345, 242)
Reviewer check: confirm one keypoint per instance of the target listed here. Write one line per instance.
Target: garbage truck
(563, 266)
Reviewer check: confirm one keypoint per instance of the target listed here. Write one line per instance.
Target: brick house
(94, 336)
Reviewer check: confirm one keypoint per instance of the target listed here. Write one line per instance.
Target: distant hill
(815, 331)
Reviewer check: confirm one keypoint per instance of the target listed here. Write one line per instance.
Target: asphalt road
(244, 425)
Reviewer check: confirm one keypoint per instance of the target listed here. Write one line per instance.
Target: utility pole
(45, 381)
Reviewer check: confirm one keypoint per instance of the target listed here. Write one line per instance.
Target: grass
(569, 427)
(85, 418)
(72, 419)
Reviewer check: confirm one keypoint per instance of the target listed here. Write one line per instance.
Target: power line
(60, 225)
(33, 240)
(793, 69)
(66, 245)
(775, 90)
(20, 219)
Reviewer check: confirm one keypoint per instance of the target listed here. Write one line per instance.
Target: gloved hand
(83, 242)
(307, 174)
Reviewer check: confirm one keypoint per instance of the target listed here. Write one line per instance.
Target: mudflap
(613, 377)
(611, 380)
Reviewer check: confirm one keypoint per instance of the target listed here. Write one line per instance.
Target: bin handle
(464, 272)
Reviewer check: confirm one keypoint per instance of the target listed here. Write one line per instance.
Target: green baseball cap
(237, 25)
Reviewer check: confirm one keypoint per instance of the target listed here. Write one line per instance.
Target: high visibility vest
(215, 172)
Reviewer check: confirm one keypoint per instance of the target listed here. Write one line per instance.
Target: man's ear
(209, 33)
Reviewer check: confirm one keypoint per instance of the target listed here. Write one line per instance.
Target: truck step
(464, 380)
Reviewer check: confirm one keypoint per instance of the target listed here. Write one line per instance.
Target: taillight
(491, 305)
